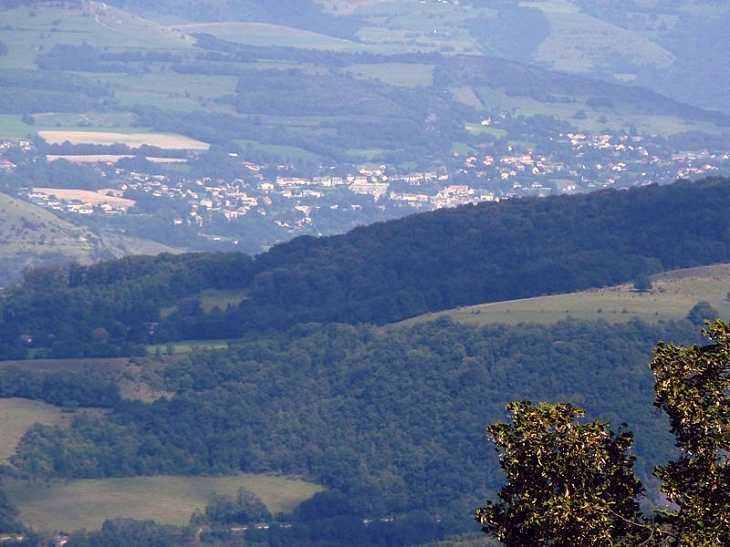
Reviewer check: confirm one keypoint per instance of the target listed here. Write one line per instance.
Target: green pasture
(117, 122)
(398, 74)
(596, 119)
(580, 42)
(425, 26)
(213, 298)
(466, 95)
(165, 499)
(18, 415)
(29, 31)
(12, 127)
(365, 154)
(281, 151)
(221, 299)
(164, 84)
(672, 296)
(463, 148)
(265, 34)
(479, 129)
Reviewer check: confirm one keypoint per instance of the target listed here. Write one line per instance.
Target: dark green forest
(377, 274)
(315, 383)
(390, 420)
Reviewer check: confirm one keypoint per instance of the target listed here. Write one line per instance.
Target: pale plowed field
(133, 140)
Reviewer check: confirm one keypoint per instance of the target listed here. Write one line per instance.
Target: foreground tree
(568, 483)
(692, 387)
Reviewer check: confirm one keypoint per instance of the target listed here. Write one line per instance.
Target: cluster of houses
(576, 162)
(570, 162)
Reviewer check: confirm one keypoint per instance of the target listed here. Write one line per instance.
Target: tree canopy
(692, 387)
(568, 483)
(571, 484)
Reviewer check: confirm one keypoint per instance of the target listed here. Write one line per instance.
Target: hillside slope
(381, 273)
(30, 236)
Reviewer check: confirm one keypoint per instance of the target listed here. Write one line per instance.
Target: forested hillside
(378, 274)
(311, 383)
(390, 421)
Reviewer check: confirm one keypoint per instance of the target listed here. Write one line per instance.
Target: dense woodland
(377, 274)
(313, 384)
(390, 420)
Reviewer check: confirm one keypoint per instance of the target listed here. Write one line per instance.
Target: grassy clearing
(167, 500)
(281, 151)
(220, 299)
(366, 154)
(213, 298)
(463, 148)
(177, 89)
(398, 74)
(18, 415)
(479, 129)
(672, 296)
(177, 348)
(265, 34)
(13, 128)
(100, 121)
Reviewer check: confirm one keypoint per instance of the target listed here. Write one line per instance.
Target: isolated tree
(701, 312)
(693, 388)
(568, 483)
(643, 283)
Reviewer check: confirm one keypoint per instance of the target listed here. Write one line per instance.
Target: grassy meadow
(266, 34)
(398, 74)
(86, 504)
(673, 294)
(577, 41)
(12, 127)
(30, 31)
(17, 415)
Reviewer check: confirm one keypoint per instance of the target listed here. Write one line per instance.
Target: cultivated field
(672, 296)
(167, 500)
(133, 140)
